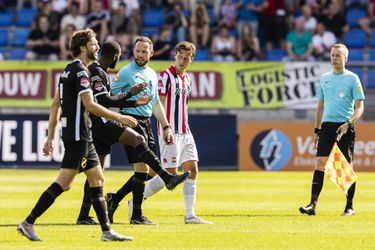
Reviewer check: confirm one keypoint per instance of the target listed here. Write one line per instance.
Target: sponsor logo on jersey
(65, 74)
(82, 73)
(165, 160)
(174, 160)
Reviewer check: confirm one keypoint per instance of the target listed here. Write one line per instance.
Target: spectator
(53, 16)
(120, 23)
(27, 4)
(309, 20)
(132, 11)
(97, 20)
(126, 43)
(366, 22)
(162, 45)
(212, 4)
(248, 44)
(60, 6)
(200, 25)
(322, 42)
(274, 23)
(253, 10)
(335, 20)
(223, 47)
(229, 14)
(177, 24)
(43, 42)
(298, 43)
(73, 18)
(64, 41)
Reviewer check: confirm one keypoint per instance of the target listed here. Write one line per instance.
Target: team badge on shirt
(341, 95)
(174, 160)
(84, 82)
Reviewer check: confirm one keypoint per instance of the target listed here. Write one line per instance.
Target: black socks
(139, 181)
(317, 185)
(45, 201)
(86, 202)
(99, 205)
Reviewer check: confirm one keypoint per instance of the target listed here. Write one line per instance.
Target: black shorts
(143, 128)
(105, 135)
(80, 155)
(327, 137)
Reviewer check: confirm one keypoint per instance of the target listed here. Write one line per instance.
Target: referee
(339, 107)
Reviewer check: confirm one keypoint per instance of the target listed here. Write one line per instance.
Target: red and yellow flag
(339, 170)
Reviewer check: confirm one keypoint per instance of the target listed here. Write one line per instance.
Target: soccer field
(250, 210)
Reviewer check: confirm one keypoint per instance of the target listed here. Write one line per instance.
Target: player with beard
(76, 100)
(106, 132)
(136, 72)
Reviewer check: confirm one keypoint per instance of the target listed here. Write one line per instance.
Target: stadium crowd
(226, 30)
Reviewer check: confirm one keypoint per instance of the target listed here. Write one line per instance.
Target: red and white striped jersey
(176, 89)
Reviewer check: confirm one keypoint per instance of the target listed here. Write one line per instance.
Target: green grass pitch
(250, 210)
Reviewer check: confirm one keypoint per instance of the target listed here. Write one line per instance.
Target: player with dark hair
(106, 132)
(135, 72)
(76, 100)
(340, 105)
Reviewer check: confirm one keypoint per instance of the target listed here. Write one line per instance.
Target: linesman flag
(339, 170)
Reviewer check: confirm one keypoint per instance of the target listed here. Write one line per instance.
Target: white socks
(190, 192)
(154, 185)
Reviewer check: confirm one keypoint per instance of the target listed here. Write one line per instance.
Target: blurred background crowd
(223, 30)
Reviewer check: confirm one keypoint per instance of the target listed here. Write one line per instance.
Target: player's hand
(168, 136)
(138, 88)
(48, 147)
(128, 121)
(343, 128)
(143, 100)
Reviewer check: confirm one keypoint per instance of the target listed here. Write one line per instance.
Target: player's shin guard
(86, 202)
(139, 181)
(45, 201)
(190, 192)
(98, 202)
(316, 186)
(154, 186)
(125, 190)
(148, 157)
(349, 197)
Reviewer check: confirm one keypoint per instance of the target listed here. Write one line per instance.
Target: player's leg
(346, 144)
(103, 149)
(95, 177)
(70, 163)
(326, 140)
(189, 159)
(139, 180)
(170, 155)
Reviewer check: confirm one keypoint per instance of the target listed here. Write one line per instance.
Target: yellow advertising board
(253, 85)
(289, 147)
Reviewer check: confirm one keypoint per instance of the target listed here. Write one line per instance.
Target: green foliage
(250, 210)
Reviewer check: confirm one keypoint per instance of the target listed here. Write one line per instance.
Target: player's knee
(139, 139)
(319, 165)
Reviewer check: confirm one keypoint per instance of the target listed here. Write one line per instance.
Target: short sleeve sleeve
(83, 81)
(163, 83)
(357, 90)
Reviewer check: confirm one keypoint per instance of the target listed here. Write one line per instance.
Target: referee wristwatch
(351, 124)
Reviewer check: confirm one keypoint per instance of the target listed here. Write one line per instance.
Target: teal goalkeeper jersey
(130, 75)
(339, 92)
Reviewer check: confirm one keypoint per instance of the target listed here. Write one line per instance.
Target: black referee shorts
(80, 155)
(143, 128)
(327, 137)
(105, 135)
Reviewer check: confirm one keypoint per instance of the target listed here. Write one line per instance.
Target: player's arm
(358, 111)
(121, 100)
(159, 113)
(54, 117)
(99, 110)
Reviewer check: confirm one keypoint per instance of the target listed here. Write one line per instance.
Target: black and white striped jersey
(76, 124)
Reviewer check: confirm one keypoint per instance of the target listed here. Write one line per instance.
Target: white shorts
(183, 150)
